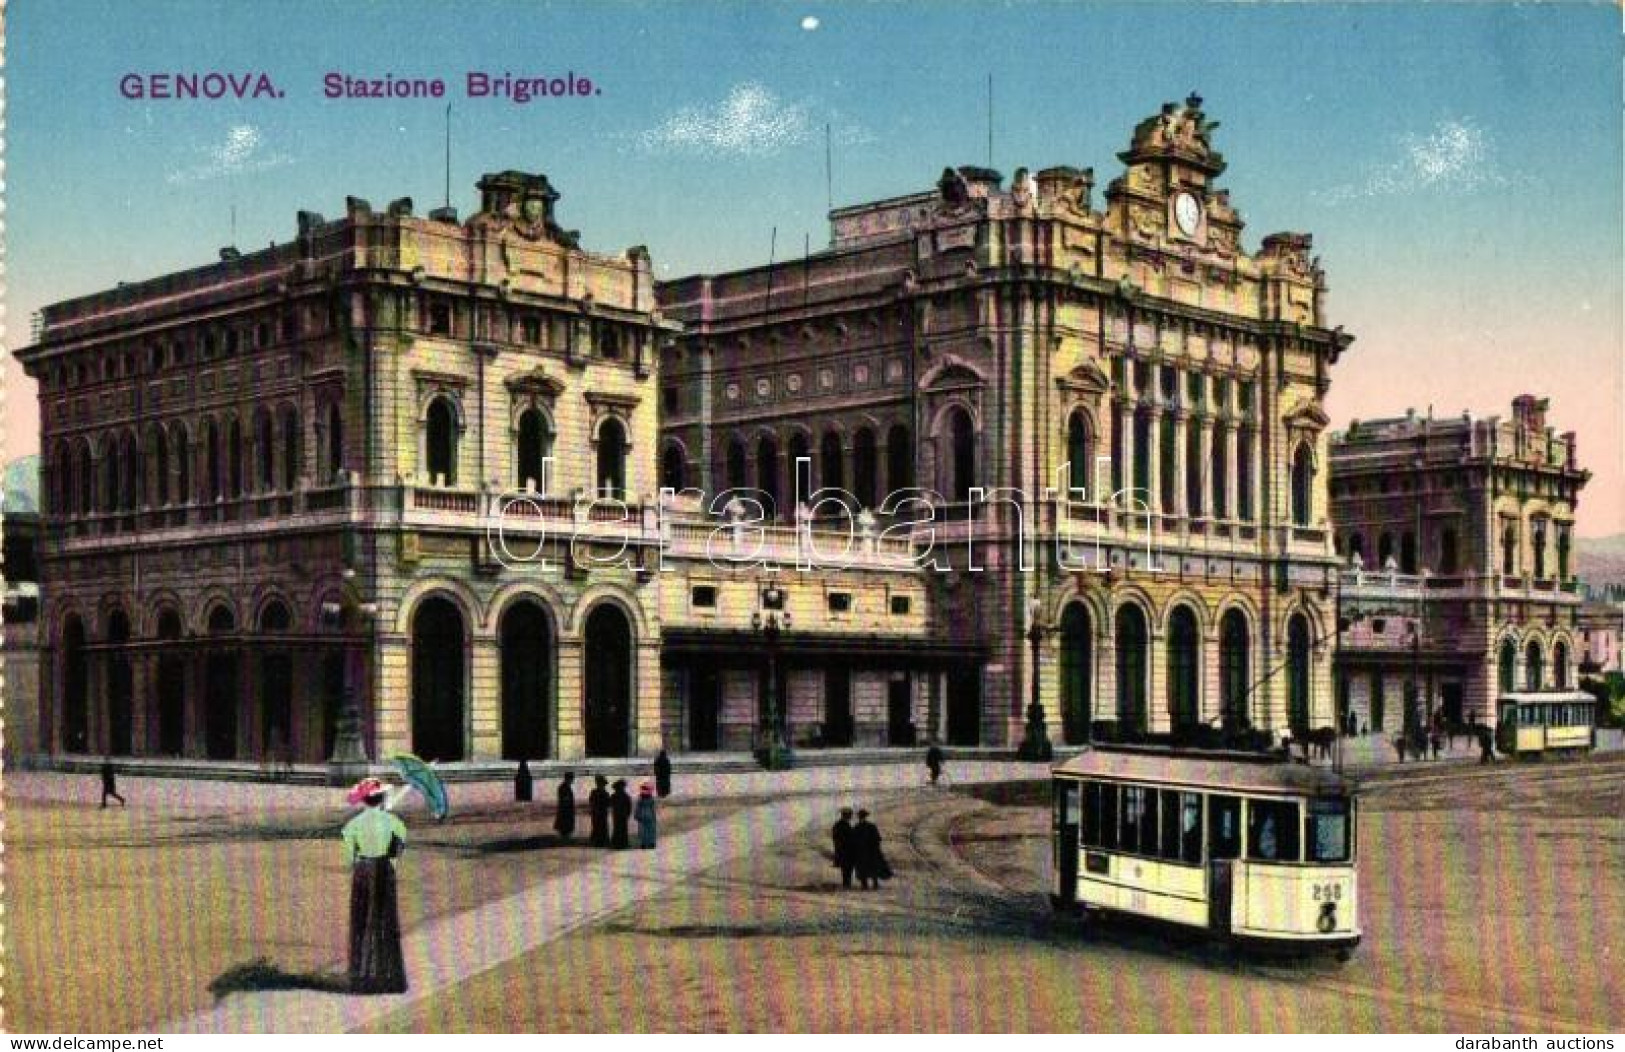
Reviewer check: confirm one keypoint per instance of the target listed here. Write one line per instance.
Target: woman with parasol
(371, 840)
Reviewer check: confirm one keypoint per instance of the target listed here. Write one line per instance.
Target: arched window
(1357, 547)
(1244, 474)
(234, 457)
(274, 618)
(1079, 459)
(335, 440)
(1077, 674)
(1407, 552)
(899, 458)
(612, 459)
(1233, 670)
(831, 475)
(130, 472)
(1303, 481)
(1560, 666)
(1385, 549)
(1219, 468)
(864, 467)
(1131, 668)
(1447, 551)
(160, 466)
(1509, 549)
(1508, 670)
(1532, 662)
(767, 472)
(61, 495)
(84, 477)
(183, 463)
(214, 484)
(1297, 646)
(961, 456)
(736, 465)
(1184, 668)
(290, 448)
(265, 450)
(1537, 541)
(672, 467)
(440, 442)
(110, 480)
(800, 450)
(532, 449)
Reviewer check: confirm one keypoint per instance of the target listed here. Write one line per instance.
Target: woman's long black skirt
(376, 965)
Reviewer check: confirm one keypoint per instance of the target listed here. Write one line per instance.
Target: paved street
(1480, 889)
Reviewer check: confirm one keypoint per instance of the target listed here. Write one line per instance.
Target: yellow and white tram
(1531, 725)
(1251, 848)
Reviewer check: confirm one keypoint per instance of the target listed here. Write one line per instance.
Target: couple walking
(857, 850)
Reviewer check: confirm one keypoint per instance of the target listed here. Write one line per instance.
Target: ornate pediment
(952, 374)
(1179, 132)
(1306, 415)
(1085, 379)
(521, 202)
(537, 381)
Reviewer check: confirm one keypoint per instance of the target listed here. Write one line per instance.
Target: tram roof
(1233, 771)
(1563, 697)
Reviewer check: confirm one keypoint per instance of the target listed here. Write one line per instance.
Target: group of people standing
(610, 806)
(857, 850)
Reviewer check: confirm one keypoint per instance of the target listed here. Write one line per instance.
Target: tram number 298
(1328, 893)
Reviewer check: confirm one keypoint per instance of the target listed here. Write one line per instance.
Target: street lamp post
(349, 762)
(771, 621)
(1035, 744)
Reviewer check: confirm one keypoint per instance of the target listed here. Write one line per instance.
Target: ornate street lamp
(772, 621)
(349, 762)
(1035, 743)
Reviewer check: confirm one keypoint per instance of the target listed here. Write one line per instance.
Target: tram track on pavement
(946, 831)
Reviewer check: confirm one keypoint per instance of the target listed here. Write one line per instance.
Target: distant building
(1601, 628)
(1456, 537)
(19, 608)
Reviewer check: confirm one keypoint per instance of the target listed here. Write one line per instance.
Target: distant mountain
(1600, 561)
(21, 485)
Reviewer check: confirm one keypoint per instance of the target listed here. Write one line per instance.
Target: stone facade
(983, 337)
(404, 460)
(1457, 535)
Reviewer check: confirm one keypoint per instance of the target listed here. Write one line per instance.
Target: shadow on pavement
(261, 974)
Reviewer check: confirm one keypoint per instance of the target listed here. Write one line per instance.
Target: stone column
(1205, 468)
(1180, 467)
(1231, 462)
(1153, 477)
(143, 724)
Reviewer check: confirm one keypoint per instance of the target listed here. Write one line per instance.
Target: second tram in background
(1530, 726)
(1251, 848)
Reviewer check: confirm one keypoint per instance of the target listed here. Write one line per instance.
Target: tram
(1255, 849)
(1530, 726)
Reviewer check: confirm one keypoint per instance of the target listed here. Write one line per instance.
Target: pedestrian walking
(1486, 744)
(522, 783)
(868, 859)
(620, 809)
(110, 783)
(933, 762)
(598, 809)
(662, 774)
(841, 834)
(372, 840)
(644, 812)
(564, 817)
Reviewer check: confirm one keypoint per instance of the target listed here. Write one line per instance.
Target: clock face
(1187, 213)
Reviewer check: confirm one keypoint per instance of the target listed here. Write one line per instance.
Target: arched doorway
(1233, 672)
(527, 682)
(1297, 645)
(1184, 669)
(1560, 666)
(75, 684)
(608, 701)
(120, 684)
(961, 456)
(437, 680)
(1532, 662)
(171, 688)
(276, 687)
(1507, 677)
(220, 689)
(441, 442)
(1131, 669)
(1077, 674)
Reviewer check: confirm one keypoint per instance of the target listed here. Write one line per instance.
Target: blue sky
(1459, 165)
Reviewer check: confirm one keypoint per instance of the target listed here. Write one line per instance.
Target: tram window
(1328, 834)
(1272, 830)
(1170, 825)
(1091, 814)
(1133, 816)
(1108, 816)
(1190, 828)
(1224, 827)
(1148, 823)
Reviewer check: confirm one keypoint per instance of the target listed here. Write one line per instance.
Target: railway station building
(1456, 535)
